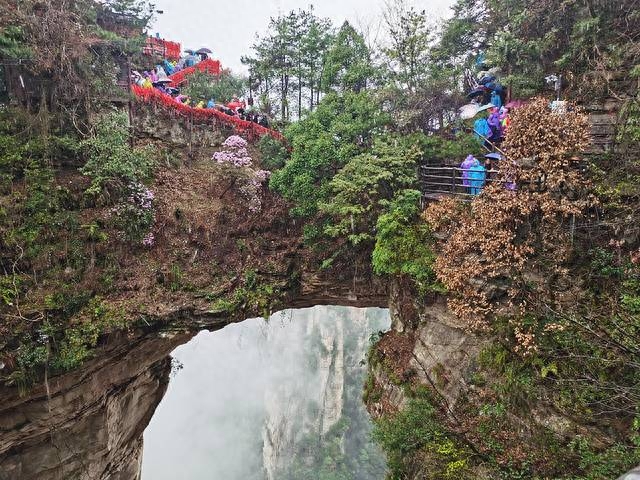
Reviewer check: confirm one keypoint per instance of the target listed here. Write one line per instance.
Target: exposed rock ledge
(90, 423)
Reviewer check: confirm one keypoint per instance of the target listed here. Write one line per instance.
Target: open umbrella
(476, 92)
(494, 156)
(468, 111)
(189, 51)
(485, 107)
(203, 50)
(162, 76)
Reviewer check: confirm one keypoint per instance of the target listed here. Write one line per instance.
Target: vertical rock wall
(90, 427)
(312, 398)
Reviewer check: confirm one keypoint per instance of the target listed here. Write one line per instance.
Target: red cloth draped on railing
(243, 127)
(162, 48)
(208, 65)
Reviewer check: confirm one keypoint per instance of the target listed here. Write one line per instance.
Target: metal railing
(441, 181)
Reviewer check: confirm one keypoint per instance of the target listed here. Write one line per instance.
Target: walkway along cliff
(513, 351)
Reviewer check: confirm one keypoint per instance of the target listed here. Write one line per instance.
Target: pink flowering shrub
(235, 159)
(235, 152)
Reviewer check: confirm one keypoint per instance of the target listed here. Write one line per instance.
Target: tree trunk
(299, 90)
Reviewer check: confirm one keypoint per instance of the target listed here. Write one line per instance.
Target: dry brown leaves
(490, 247)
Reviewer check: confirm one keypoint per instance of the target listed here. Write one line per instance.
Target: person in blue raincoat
(482, 129)
(477, 176)
(191, 60)
(170, 69)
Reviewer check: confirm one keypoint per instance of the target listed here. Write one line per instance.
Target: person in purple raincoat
(465, 166)
(496, 127)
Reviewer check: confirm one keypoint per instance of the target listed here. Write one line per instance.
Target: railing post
(453, 180)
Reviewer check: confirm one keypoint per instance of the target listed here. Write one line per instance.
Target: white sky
(228, 27)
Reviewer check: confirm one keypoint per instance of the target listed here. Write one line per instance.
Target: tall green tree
(347, 64)
(221, 88)
(410, 41)
(286, 63)
(585, 40)
(318, 36)
(341, 127)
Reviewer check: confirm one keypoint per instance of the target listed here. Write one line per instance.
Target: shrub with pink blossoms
(134, 216)
(235, 159)
(235, 152)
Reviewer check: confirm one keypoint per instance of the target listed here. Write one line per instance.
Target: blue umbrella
(475, 92)
(494, 156)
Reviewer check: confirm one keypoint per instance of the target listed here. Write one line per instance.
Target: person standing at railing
(191, 60)
(477, 177)
(465, 166)
(168, 67)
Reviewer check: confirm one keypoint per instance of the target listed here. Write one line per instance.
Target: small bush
(112, 164)
(403, 243)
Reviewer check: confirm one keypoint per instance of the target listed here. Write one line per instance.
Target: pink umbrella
(515, 104)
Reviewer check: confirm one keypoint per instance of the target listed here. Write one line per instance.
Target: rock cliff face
(427, 346)
(312, 399)
(429, 356)
(189, 138)
(89, 423)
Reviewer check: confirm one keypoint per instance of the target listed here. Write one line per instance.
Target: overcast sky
(228, 27)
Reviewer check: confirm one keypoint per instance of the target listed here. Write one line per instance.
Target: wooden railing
(216, 118)
(162, 48)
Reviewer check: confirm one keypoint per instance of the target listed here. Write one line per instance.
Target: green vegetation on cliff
(102, 230)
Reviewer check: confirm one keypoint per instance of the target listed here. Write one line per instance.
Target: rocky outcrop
(309, 399)
(312, 399)
(87, 424)
(189, 137)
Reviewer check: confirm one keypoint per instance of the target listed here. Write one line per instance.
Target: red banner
(208, 65)
(211, 115)
(162, 48)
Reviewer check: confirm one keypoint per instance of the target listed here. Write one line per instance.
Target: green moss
(59, 347)
(253, 295)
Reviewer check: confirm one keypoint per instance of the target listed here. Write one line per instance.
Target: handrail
(450, 181)
(211, 115)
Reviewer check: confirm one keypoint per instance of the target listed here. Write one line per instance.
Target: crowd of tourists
(159, 79)
(487, 106)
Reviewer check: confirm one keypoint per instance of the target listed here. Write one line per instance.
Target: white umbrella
(485, 107)
(468, 111)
